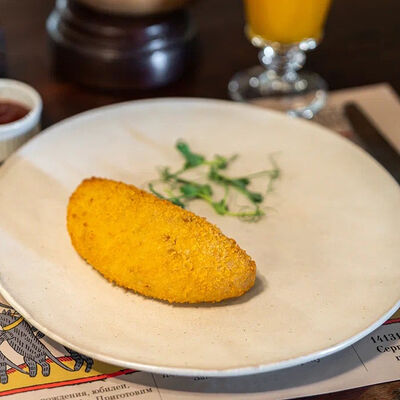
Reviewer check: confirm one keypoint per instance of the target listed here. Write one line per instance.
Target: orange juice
(286, 21)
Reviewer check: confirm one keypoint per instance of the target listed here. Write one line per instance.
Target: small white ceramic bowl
(16, 133)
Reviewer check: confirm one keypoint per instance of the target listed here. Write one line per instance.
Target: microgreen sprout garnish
(175, 187)
(192, 159)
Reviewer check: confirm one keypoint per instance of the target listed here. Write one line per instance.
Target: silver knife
(375, 143)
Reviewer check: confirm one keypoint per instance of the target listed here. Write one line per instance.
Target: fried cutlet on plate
(154, 247)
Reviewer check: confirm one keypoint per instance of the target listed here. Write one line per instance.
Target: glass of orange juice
(283, 30)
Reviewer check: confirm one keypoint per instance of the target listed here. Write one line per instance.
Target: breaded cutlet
(154, 247)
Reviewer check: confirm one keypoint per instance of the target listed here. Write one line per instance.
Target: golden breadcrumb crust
(150, 245)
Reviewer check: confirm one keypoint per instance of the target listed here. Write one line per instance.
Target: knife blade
(375, 143)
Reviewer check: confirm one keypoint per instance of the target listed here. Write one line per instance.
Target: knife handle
(374, 141)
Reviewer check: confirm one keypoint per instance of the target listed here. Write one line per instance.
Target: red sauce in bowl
(11, 111)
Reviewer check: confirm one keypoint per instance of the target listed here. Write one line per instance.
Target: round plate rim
(190, 372)
(183, 371)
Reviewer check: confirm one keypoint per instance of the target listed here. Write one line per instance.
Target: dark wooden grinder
(109, 50)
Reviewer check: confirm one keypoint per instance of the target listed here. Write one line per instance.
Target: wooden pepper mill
(121, 44)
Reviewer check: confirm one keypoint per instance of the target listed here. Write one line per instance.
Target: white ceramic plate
(327, 254)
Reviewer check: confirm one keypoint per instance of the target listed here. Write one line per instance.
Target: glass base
(301, 95)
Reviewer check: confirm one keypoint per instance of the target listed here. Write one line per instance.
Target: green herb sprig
(181, 191)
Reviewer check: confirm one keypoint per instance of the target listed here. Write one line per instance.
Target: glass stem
(282, 62)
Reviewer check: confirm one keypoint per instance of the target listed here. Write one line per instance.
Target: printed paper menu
(33, 366)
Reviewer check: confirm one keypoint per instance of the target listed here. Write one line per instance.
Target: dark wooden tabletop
(361, 46)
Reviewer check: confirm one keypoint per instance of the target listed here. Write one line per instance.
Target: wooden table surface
(361, 46)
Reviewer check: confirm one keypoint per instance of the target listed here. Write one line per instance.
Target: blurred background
(360, 47)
